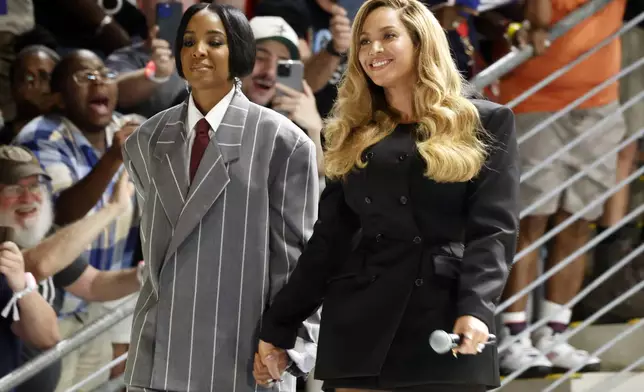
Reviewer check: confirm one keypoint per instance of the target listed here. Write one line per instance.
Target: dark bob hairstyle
(241, 41)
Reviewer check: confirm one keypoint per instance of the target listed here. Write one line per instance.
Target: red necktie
(199, 146)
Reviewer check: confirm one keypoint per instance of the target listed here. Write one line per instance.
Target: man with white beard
(26, 206)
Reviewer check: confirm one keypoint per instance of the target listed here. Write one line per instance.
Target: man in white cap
(276, 40)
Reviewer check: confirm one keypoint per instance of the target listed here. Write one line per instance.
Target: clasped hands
(269, 364)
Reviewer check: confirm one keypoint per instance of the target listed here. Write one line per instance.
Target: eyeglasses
(86, 76)
(13, 191)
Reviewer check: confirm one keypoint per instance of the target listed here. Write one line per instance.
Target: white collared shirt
(214, 117)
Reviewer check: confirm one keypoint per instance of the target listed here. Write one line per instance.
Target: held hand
(122, 193)
(340, 27)
(273, 360)
(12, 266)
(120, 137)
(300, 107)
(160, 54)
(473, 332)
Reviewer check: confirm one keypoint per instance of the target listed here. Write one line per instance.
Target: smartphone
(6, 234)
(291, 74)
(168, 17)
(351, 6)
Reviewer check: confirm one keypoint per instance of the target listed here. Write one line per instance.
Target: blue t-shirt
(9, 343)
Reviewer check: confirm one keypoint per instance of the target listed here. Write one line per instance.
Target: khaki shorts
(553, 138)
(633, 83)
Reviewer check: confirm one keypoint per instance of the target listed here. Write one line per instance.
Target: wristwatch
(329, 48)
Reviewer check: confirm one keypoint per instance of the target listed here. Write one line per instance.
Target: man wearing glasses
(79, 147)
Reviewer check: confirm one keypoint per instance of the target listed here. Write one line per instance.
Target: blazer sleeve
(135, 163)
(492, 224)
(293, 202)
(306, 287)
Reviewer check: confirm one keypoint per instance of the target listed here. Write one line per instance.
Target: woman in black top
(430, 178)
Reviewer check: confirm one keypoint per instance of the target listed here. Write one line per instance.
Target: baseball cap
(276, 28)
(17, 163)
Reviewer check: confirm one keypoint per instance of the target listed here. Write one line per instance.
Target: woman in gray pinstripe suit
(229, 192)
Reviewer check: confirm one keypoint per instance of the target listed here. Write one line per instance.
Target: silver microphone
(443, 342)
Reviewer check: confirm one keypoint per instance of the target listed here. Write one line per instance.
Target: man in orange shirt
(542, 352)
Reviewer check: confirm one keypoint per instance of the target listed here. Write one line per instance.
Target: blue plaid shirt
(67, 156)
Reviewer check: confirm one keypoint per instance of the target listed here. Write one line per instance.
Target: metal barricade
(493, 73)
(33, 367)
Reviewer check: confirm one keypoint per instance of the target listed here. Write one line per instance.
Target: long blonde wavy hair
(449, 133)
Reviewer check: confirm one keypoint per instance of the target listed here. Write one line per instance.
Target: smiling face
(386, 51)
(204, 52)
(259, 87)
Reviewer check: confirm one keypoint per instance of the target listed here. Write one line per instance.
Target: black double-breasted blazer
(427, 253)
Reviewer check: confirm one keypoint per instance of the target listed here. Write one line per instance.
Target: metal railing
(517, 57)
(44, 360)
(493, 73)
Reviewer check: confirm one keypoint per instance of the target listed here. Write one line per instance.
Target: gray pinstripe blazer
(218, 249)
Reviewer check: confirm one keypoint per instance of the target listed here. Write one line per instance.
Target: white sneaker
(520, 354)
(564, 356)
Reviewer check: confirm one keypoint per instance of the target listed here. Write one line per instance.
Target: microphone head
(441, 342)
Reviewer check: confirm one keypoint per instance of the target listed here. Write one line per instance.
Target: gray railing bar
(615, 376)
(571, 258)
(576, 299)
(570, 333)
(559, 228)
(92, 376)
(66, 346)
(114, 385)
(594, 129)
(580, 174)
(517, 57)
(597, 352)
(561, 71)
(573, 105)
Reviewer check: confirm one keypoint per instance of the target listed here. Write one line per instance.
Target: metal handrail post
(597, 352)
(574, 301)
(540, 201)
(570, 333)
(559, 228)
(42, 361)
(598, 126)
(600, 387)
(517, 57)
(573, 105)
(570, 259)
(98, 372)
(561, 71)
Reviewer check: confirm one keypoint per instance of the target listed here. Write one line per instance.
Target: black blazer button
(374, 278)
(403, 200)
(378, 237)
(367, 200)
(418, 282)
(402, 157)
(369, 155)
(417, 240)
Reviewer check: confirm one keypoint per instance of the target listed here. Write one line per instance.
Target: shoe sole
(532, 372)
(590, 368)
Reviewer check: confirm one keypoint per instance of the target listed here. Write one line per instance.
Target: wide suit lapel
(196, 198)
